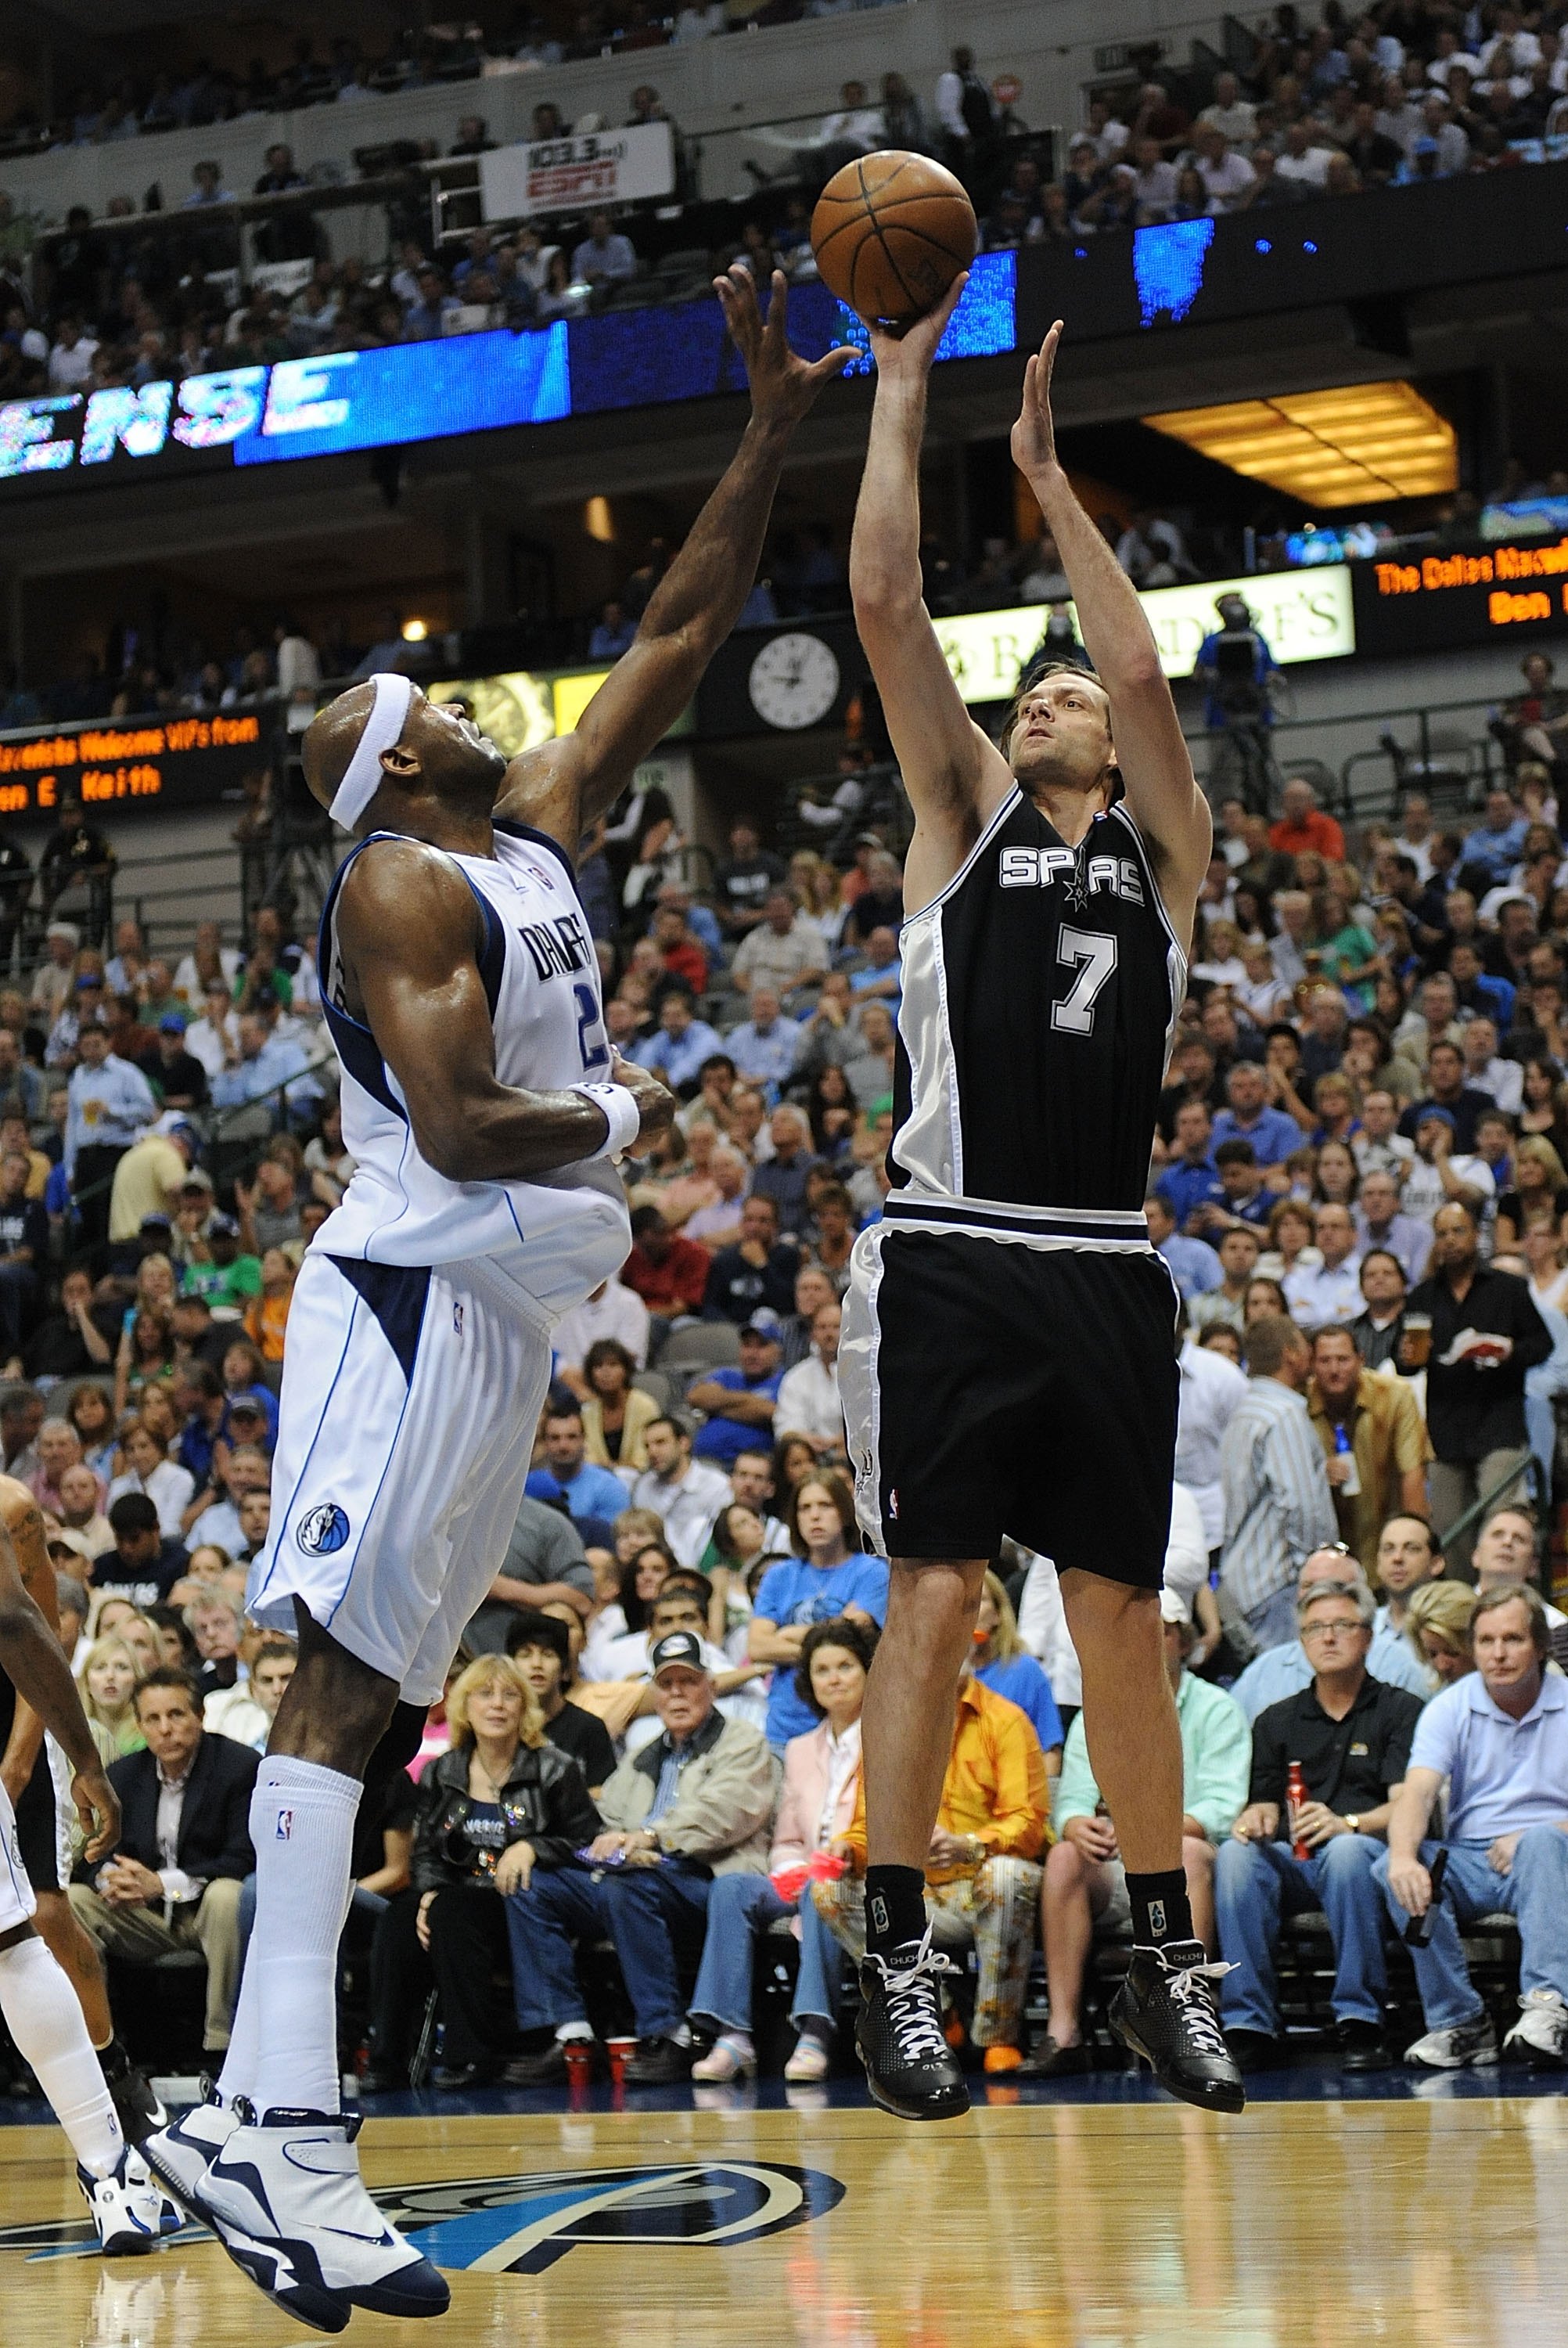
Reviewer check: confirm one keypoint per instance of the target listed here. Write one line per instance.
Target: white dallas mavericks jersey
(556, 1235)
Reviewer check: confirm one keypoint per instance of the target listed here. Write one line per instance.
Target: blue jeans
(1257, 1883)
(1534, 1893)
(739, 1907)
(638, 1907)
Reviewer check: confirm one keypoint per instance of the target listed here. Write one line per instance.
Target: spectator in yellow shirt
(267, 1316)
(982, 1872)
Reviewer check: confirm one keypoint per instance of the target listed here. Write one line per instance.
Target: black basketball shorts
(997, 1384)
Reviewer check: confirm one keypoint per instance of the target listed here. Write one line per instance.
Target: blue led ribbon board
(344, 400)
(376, 399)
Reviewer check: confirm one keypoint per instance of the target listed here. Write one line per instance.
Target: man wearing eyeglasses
(1351, 1735)
(1281, 1672)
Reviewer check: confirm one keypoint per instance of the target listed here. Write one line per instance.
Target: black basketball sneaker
(1167, 2011)
(910, 2069)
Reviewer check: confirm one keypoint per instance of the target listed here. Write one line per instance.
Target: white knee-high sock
(302, 1823)
(237, 2076)
(45, 2018)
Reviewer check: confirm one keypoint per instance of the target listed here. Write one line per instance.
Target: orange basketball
(890, 233)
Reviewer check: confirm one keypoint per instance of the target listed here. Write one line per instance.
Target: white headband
(381, 729)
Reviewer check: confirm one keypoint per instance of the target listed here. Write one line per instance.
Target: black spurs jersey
(1039, 996)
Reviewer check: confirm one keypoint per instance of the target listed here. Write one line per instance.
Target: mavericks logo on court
(323, 1530)
(522, 2225)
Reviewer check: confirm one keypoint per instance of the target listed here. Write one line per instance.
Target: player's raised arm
(951, 772)
(408, 936)
(1163, 798)
(563, 787)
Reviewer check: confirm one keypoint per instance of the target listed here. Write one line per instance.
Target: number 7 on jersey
(1093, 956)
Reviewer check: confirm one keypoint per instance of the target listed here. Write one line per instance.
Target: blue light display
(1168, 267)
(345, 400)
(375, 399)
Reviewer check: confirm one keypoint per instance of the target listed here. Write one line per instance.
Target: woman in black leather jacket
(501, 1802)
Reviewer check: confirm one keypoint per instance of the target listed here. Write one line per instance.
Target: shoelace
(914, 2005)
(1191, 1996)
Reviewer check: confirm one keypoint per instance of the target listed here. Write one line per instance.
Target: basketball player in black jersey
(1008, 1364)
(28, 1782)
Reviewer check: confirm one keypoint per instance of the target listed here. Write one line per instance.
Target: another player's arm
(34, 1663)
(953, 774)
(408, 933)
(1163, 797)
(23, 1520)
(563, 787)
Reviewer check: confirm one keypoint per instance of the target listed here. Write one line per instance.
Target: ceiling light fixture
(1334, 447)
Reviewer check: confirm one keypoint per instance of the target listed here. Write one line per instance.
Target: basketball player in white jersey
(1007, 1360)
(41, 2008)
(484, 1108)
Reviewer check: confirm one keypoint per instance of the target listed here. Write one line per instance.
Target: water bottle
(1348, 1490)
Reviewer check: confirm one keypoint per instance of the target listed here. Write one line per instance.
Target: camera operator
(1234, 666)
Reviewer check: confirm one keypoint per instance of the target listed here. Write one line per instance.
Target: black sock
(894, 1907)
(1161, 1909)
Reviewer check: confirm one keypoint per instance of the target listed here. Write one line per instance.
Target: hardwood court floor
(1042, 2224)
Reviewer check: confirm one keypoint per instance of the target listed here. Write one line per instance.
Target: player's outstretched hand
(784, 385)
(911, 350)
(97, 1806)
(655, 1101)
(1033, 440)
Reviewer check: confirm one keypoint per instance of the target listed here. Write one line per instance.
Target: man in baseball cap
(694, 1804)
(739, 1401)
(178, 1074)
(149, 1177)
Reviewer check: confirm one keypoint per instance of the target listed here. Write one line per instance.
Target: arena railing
(435, 200)
(1445, 748)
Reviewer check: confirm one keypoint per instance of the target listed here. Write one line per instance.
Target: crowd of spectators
(336, 71)
(651, 1734)
(138, 298)
(1395, 97)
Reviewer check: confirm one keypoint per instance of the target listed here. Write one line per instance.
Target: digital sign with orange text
(1473, 595)
(144, 763)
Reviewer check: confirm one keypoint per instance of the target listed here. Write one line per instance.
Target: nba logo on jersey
(323, 1530)
(284, 1830)
(457, 1320)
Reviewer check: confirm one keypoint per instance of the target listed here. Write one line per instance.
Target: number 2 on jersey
(1092, 955)
(592, 1040)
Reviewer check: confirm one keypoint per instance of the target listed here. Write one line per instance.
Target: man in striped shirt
(1278, 1504)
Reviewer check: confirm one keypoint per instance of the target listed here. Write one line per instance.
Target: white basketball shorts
(406, 1427)
(18, 1901)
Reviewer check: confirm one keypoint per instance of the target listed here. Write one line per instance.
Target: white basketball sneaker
(129, 2211)
(286, 2199)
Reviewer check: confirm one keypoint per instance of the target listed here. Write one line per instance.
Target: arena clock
(793, 681)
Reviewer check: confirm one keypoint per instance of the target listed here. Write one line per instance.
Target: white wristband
(619, 1106)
